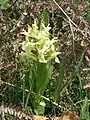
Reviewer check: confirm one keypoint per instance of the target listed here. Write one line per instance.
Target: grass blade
(59, 82)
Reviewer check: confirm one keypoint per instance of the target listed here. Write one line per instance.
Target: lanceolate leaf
(43, 75)
(80, 63)
(84, 114)
(45, 17)
(59, 82)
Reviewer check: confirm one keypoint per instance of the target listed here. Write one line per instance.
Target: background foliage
(68, 87)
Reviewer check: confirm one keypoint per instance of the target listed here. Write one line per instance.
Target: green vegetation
(87, 16)
(44, 61)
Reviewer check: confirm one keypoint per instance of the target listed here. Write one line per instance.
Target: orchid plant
(38, 50)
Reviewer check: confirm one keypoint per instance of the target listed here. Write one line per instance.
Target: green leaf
(5, 4)
(45, 17)
(43, 75)
(87, 16)
(84, 114)
(79, 64)
(41, 108)
(59, 82)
